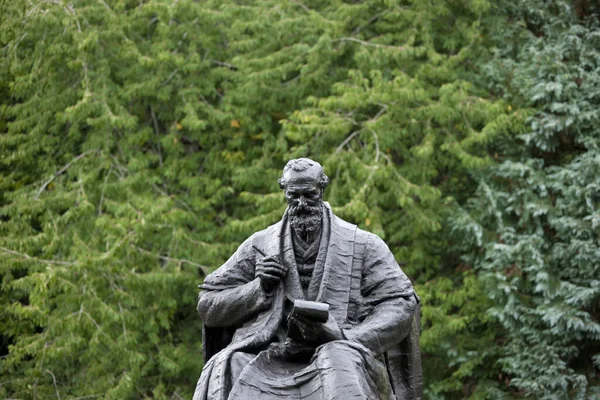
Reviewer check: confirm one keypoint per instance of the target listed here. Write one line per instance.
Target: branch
(94, 322)
(154, 120)
(376, 145)
(28, 257)
(157, 131)
(348, 139)
(110, 252)
(304, 7)
(384, 108)
(171, 76)
(203, 268)
(54, 380)
(123, 322)
(370, 21)
(382, 46)
(224, 64)
(63, 169)
(70, 9)
(103, 189)
(181, 202)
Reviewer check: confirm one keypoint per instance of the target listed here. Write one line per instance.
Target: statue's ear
(324, 182)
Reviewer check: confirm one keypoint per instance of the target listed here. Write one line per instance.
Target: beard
(306, 220)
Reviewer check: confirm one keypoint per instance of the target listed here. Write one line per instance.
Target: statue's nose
(301, 201)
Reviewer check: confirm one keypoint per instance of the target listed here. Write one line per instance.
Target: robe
(370, 297)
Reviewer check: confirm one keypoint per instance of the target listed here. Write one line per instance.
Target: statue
(310, 308)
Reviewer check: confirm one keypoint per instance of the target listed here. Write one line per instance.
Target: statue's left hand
(319, 332)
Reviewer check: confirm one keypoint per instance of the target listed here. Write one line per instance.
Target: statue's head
(303, 182)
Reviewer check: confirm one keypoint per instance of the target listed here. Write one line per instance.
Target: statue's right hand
(270, 271)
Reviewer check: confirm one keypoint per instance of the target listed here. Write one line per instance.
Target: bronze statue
(310, 308)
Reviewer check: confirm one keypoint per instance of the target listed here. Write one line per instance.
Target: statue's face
(304, 198)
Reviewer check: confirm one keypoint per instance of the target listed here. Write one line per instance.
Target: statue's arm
(388, 297)
(231, 295)
(232, 307)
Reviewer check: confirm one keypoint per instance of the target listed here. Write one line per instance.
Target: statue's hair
(302, 164)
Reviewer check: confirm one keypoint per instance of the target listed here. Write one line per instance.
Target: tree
(105, 211)
(535, 214)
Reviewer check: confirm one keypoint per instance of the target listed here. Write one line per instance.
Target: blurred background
(141, 142)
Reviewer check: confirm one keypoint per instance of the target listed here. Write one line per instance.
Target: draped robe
(369, 296)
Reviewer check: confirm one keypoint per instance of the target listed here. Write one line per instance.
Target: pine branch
(369, 22)
(377, 153)
(116, 246)
(63, 169)
(384, 108)
(347, 140)
(103, 189)
(28, 257)
(171, 75)
(154, 120)
(224, 64)
(303, 6)
(123, 321)
(54, 381)
(364, 43)
(157, 131)
(203, 268)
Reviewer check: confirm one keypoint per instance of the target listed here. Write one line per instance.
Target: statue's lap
(338, 369)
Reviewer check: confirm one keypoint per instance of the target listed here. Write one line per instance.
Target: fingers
(273, 271)
(269, 267)
(270, 258)
(268, 280)
(270, 272)
(271, 264)
(316, 331)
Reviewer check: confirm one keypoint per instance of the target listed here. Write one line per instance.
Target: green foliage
(142, 141)
(379, 94)
(103, 149)
(536, 213)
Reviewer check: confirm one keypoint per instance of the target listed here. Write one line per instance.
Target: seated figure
(365, 348)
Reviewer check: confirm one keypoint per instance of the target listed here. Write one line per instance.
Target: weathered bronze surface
(310, 308)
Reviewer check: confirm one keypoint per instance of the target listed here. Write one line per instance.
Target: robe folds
(369, 296)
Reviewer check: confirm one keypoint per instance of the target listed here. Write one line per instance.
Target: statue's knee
(340, 349)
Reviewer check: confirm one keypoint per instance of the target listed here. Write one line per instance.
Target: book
(313, 310)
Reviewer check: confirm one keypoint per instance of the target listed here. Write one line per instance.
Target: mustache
(306, 219)
(305, 210)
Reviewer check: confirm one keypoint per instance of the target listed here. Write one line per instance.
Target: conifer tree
(105, 210)
(534, 223)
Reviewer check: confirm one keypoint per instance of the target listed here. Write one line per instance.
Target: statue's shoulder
(360, 234)
(366, 235)
(268, 231)
(263, 237)
(343, 224)
(368, 239)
